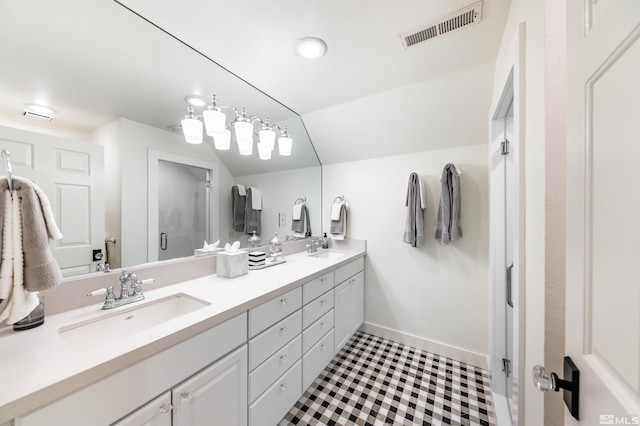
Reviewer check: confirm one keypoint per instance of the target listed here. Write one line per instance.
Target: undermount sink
(87, 335)
(327, 254)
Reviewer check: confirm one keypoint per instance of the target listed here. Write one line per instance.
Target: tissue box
(231, 265)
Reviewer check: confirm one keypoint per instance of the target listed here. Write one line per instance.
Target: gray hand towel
(237, 209)
(338, 227)
(298, 226)
(448, 228)
(414, 223)
(251, 216)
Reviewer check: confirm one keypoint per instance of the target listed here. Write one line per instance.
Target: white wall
(279, 192)
(531, 12)
(436, 293)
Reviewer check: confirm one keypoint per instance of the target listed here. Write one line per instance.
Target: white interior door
(603, 208)
(71, 173)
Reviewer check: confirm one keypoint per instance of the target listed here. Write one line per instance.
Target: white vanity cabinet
(216, 395)
(130, 392)
(317, 321)
(349, 302)
(275, 348)
(154, 413)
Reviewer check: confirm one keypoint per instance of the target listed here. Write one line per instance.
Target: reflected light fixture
(192, 127)
(214, 123)
(38, 111)
(311, 47)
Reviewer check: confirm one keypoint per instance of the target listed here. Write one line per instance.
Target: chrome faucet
(314, 244)
(130, 291)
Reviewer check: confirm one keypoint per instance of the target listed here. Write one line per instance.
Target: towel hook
(302, 200)
(338, 198)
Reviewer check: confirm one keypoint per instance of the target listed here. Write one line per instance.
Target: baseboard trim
(448, 351)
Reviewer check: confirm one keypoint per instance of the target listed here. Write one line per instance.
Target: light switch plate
(282, 219)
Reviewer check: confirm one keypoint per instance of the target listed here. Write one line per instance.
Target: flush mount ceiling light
(215, 125)
(38, 111)
(311, 47)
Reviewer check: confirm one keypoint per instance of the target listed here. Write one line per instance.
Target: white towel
(6, 267)
(335, 210)
(242, 191)
(297, 212)
(256, 199)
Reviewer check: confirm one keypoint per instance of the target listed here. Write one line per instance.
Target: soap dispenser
(325, 241)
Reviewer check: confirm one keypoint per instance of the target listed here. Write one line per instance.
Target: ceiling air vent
(464, 17)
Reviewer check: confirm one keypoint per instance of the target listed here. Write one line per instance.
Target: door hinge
(506, 366)
(505, 147)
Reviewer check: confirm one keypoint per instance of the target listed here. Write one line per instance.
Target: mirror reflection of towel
(298, 225)
(251, 215)
(238, 200)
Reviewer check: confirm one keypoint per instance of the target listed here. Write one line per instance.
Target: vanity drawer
(261, 317)
(317, 308)
(316, 360)
(272, 405)
(264, 345)
(315, 288)
(315, 332)
(349, 270)
(263, 376)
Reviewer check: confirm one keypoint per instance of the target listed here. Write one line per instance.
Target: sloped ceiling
(368, 96)
(256, 40)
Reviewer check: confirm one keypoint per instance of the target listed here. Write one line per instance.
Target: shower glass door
(183, 209)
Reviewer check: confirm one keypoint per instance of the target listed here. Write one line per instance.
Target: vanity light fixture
(311, 47)
(38, 111)
(243, 125)
(192, 127)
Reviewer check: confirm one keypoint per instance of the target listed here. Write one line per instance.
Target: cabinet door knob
(323, 325)
(186, 397)
(283, 330)
(321, 280)
(283, 358)
(323, 347)
(165, 408)
(283, 301)
(283, 386)
(323, 302)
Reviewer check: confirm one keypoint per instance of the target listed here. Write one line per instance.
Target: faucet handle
(137, 284)
(109, 299)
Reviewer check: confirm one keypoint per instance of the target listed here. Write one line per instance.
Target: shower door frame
(154, 157)
(513, 92)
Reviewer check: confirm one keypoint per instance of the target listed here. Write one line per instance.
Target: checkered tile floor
(374, 381)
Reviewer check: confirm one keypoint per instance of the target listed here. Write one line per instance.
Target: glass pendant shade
(244, 131)
(192, 130)
(268, 138)
(284, 146)
(264, 151)
(245, 147)
(222, 140)
(214, 121)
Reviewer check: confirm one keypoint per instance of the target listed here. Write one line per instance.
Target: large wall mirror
(113, 161)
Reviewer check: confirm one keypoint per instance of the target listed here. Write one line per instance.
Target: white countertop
(38, 367)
